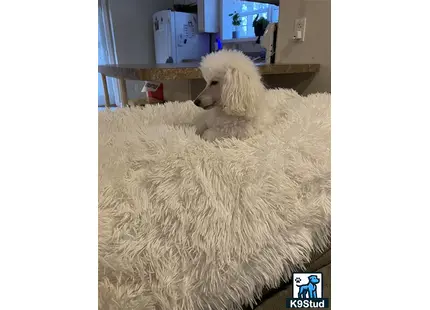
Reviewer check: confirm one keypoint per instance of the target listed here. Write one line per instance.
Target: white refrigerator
(176, 37)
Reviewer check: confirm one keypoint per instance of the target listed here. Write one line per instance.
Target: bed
(190, 224)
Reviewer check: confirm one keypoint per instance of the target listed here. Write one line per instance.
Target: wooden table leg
(123, 88)
(105, 89)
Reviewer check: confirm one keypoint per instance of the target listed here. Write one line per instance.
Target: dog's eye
(214, 83)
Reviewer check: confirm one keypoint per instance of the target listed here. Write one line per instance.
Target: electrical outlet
(300, 29)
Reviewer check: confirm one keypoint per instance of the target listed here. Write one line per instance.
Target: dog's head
(233, 83)
(313, 279)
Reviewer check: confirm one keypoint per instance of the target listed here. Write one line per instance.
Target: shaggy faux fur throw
(190, 224)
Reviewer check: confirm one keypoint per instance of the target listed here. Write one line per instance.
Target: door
(162, 23)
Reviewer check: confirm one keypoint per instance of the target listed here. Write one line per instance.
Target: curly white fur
(185, 224)
(240, 105)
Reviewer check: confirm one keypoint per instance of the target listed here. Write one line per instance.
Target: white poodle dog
(237, 103)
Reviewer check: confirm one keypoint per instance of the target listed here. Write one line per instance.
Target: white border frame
(380, 154)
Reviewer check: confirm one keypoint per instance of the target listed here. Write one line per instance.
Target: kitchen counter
(190, 71)
(178, 73)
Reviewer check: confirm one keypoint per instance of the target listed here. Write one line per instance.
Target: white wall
(133, 34)
(316, 47)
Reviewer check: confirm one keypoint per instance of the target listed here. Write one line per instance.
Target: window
(247, 12)
(106, 54)
(102, 61)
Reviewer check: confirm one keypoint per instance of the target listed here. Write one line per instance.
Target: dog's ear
(240, 93)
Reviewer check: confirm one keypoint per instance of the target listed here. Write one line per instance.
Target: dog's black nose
(197, 102)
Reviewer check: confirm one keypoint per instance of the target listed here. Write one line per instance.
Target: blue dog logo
(309, 290)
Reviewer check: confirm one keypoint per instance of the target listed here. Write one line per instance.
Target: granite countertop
(190, 71)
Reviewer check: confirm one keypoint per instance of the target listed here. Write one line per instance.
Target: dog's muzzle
(198, 102)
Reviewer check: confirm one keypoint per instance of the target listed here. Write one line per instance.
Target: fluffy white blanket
(189, 224)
